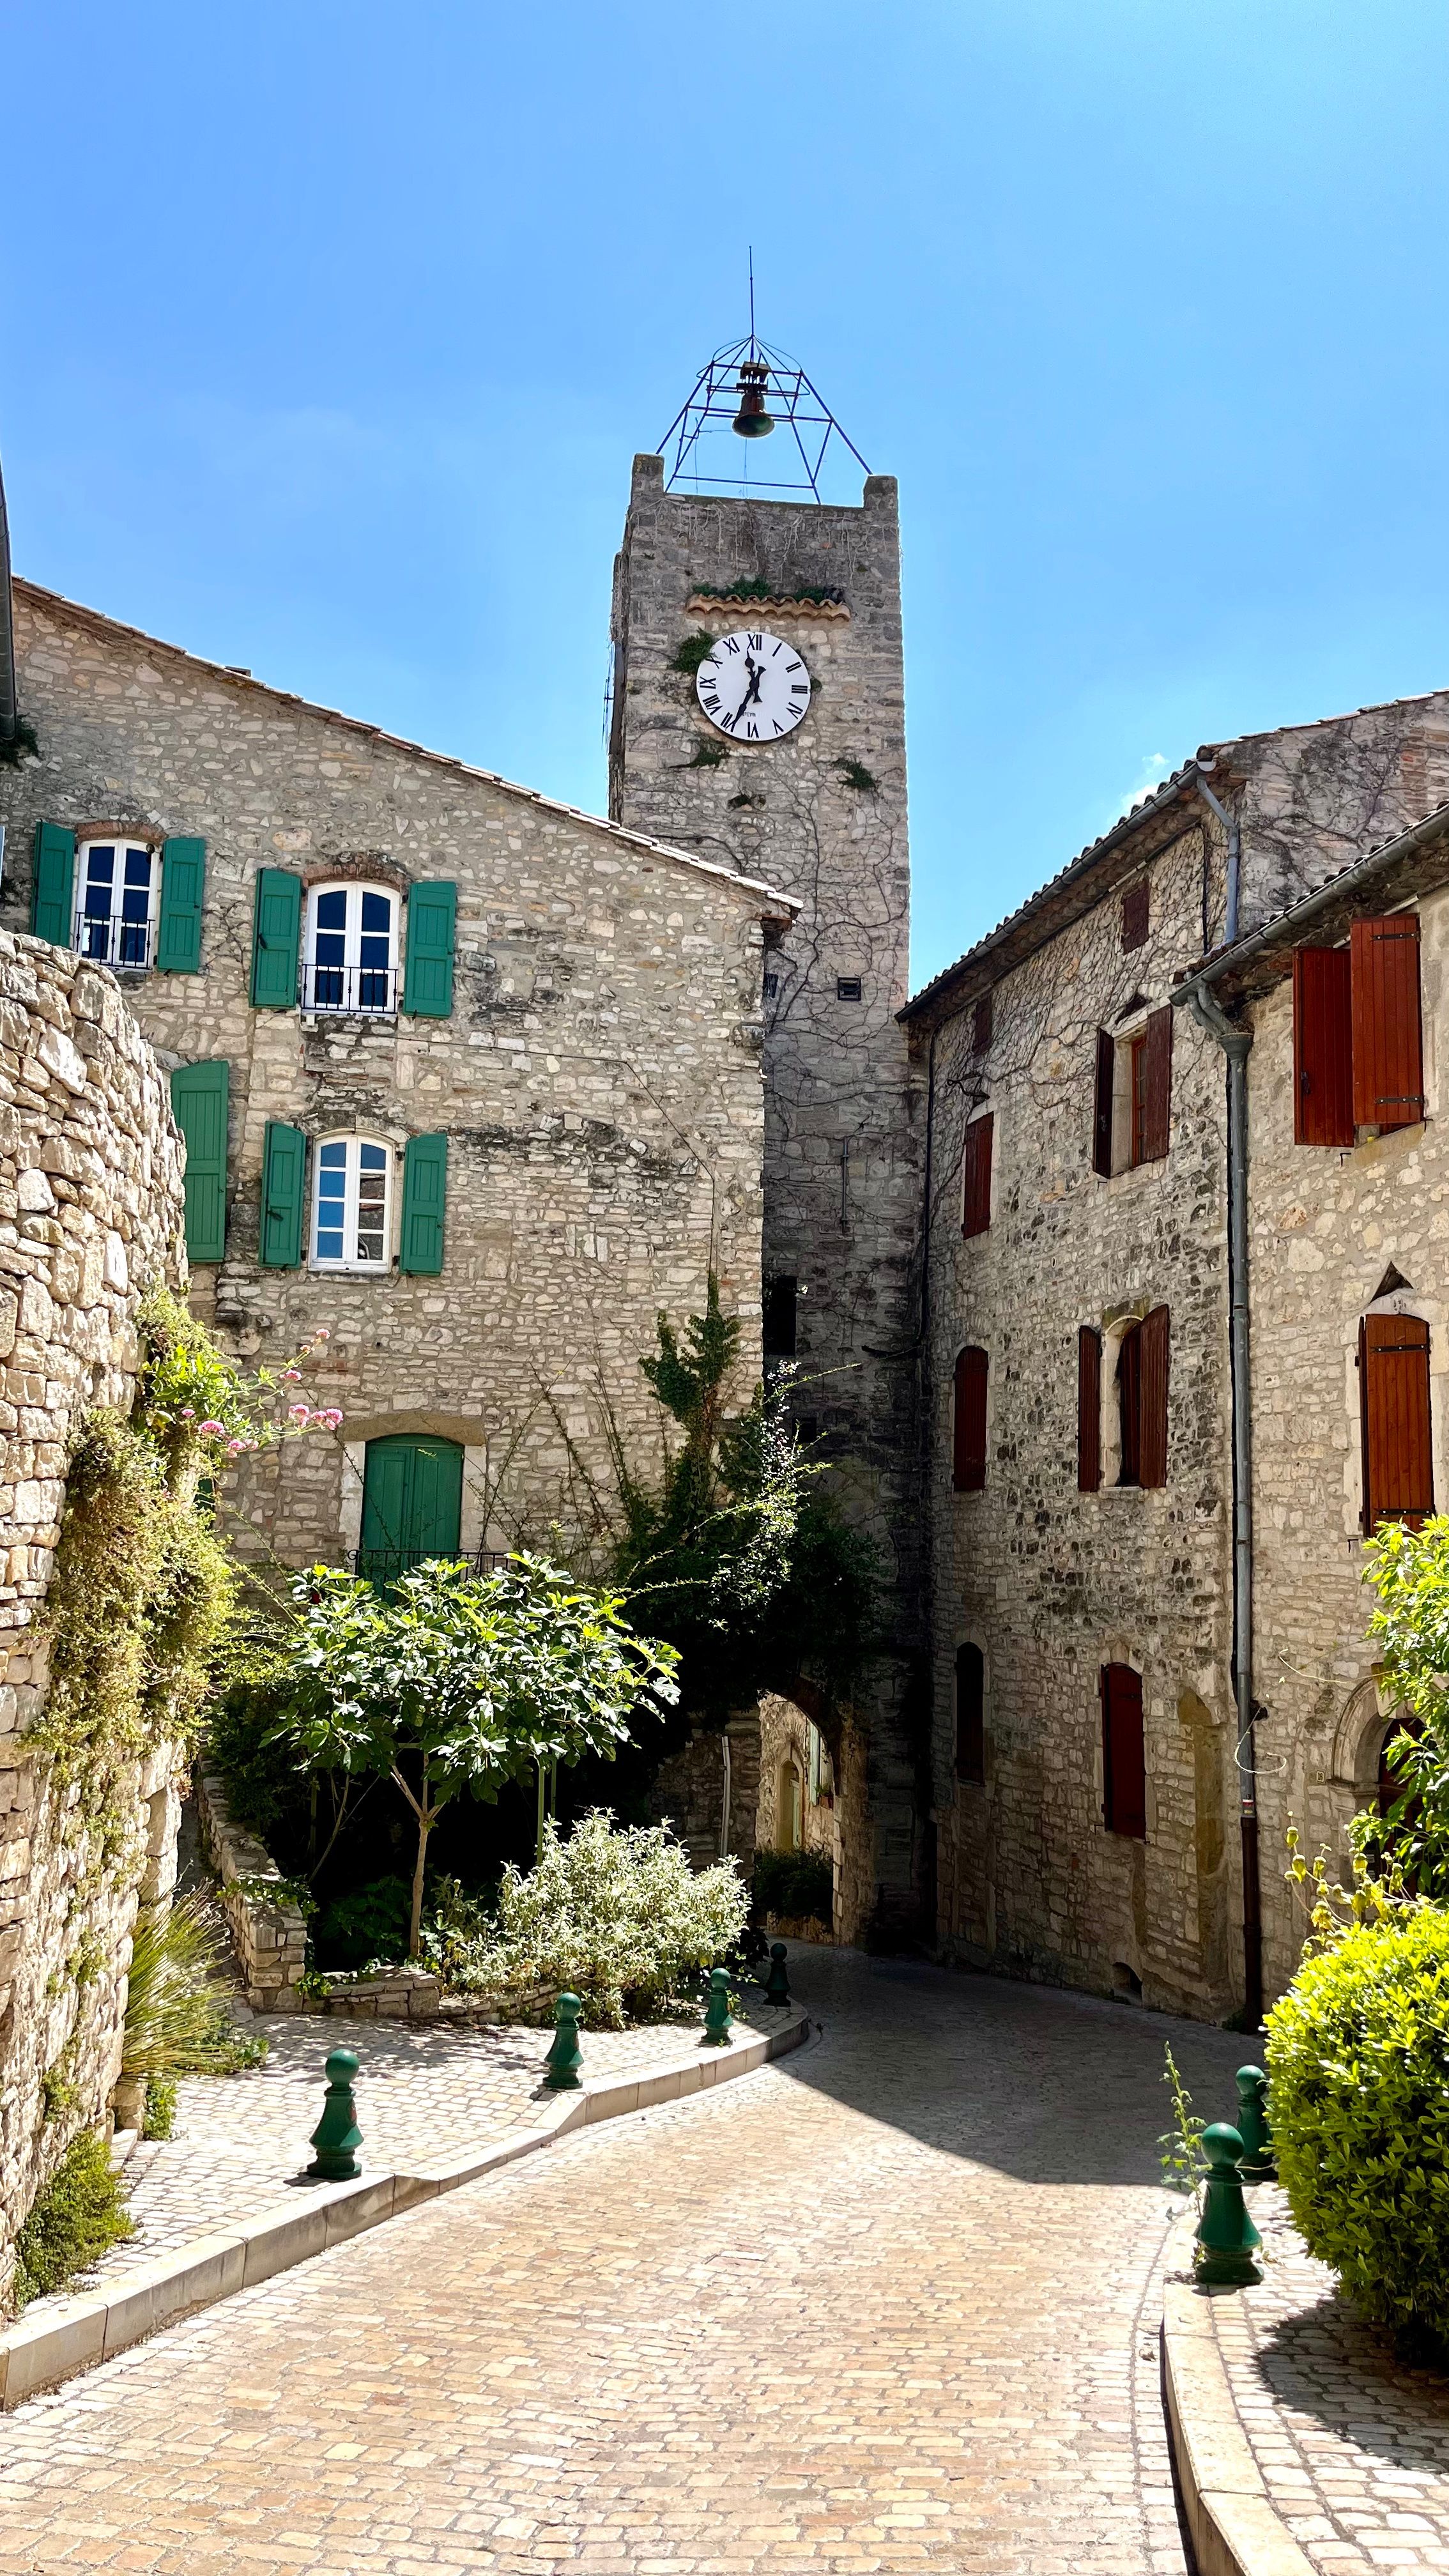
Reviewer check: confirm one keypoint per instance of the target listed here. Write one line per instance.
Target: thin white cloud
(1155, 767)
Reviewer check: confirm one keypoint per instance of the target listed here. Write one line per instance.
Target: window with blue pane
(352, 1204)
(351, 960)
(117, 885)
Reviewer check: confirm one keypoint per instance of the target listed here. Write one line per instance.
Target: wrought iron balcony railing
(368, 992)
(385, 1564)
(110, 940)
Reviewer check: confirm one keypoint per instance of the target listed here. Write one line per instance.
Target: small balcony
(385, 1564)
(361, 992)
(109, 939)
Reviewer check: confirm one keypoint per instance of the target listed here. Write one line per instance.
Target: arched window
(968, 1431)
(971, 1716)
(1398, 1449)
(352, 1204)
(1124, 1752)
(116, 900)
(351, 954)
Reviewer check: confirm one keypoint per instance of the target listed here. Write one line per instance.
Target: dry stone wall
(90, 1214)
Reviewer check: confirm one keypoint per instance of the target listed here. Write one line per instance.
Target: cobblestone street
(888, 2306)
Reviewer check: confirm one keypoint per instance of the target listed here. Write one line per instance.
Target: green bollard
(777, 1984)
(561, 2066)
(1226, 2235)
(337, 2136)
(1258, 2159)
(717, 2010)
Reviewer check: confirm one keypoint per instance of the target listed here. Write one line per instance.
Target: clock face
(753, 687)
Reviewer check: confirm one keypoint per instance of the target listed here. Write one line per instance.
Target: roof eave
(773, 902)
(1078, 872)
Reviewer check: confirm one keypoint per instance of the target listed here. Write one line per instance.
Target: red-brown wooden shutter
(1124, 1753)
(1388, 1046)
(981, 1025)
(1102, 1106)
(1134, 915)
(968, 1458)
(976, 1199)
(1129, 1406)
(1322, 1047)
(1152, 1445)
(1398, 1463)
(1157, 1085)
(1089, 1409)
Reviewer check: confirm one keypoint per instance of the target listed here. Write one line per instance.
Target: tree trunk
(426, 1815)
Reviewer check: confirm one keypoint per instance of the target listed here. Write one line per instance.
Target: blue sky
(331, 330)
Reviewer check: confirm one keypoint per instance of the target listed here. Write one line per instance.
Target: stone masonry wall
(841, 1176)
(1314, 797)
(1051, 1583)
(90, 1214)
(1326, 1228)
(599, 1078)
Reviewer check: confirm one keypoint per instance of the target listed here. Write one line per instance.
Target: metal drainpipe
(1236, 1044)
(724, 1822)
(1235, 865)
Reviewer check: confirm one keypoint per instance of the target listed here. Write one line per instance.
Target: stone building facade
(468, 1078)
(818, 807)
(1095, 1821)
(1348, 1302)
(90, 1214)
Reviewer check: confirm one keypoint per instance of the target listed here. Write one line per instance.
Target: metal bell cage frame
(753, 390)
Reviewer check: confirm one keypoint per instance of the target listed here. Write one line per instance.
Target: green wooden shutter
(412, 1503)
(52, 892)
(428, 985)
(199, 1096)
(276, 939)
(183, 882)
(425, 1181)
(284, 1174)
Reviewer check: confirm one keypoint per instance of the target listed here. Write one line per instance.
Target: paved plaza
(890, 2305)
(425, 2092)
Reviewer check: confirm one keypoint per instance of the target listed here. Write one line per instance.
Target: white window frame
(352, 970)
(352, 1168)
(125, 845)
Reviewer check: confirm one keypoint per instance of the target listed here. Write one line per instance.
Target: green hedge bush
(1358, 2058)
(796, 1884)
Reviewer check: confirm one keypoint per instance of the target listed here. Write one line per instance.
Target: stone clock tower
(722, 762)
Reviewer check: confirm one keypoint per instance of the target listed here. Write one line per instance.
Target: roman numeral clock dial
(753, 687)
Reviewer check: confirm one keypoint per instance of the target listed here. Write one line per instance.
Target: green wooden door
(412, 1503)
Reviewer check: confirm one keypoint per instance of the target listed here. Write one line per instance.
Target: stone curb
(92, 2328)
(1236, 2528)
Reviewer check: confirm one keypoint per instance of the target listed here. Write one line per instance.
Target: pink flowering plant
(194, 1400)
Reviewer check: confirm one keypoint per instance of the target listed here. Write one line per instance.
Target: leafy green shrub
(160, 2109)
(78, 2217)
(795, 1883)
(617, 1916)
(369, 1923)
(1358, 2058)
(177, 2016)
